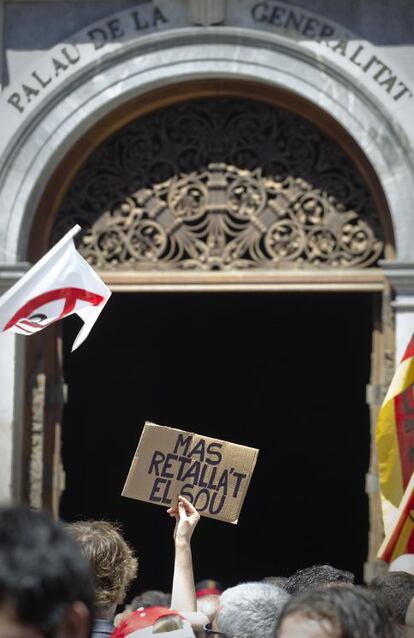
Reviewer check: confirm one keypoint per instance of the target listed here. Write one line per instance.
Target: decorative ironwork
(222, 184)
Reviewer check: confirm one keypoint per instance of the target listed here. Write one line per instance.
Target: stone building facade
(79, 79)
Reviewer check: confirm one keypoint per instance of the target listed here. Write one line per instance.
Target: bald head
(404, 563)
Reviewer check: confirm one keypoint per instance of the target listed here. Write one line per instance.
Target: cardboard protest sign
(213, 474)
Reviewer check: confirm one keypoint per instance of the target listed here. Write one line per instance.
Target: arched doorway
(229, 194)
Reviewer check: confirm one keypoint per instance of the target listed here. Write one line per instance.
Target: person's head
(336, 612)
(112, 561)
(208, 586)
(46, 587)
(208, 604)
(150, 598)
(318, 576)
(250, 610)
(396, 590)
(404, 563)
(145, 623)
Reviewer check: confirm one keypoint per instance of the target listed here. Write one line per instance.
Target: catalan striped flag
(395, 431)
(400, 539)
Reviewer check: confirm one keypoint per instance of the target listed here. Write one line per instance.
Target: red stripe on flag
(30, 324)
(70, 295)
(404, 420)
(409, 351)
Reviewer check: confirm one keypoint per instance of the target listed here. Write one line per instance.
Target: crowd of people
(71, 581)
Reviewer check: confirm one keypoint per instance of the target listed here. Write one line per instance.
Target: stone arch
(172, 58)
(43, 159)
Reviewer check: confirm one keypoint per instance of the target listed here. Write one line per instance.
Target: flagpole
(38, 265)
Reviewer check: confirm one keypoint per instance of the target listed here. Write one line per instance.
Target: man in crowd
(46, 587)
(113, 564)
(396, 591)
(250, 610)
(318, 576)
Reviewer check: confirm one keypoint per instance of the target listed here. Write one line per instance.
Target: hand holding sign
(183, 595)
(186, 519)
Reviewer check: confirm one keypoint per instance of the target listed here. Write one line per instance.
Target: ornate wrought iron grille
(222, 184)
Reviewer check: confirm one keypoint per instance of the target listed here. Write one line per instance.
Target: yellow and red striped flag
(400, 539)
(395, 431)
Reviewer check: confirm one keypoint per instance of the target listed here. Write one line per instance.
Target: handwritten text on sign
(213, 474)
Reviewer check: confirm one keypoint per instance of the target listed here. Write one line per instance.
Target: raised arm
(183, 589)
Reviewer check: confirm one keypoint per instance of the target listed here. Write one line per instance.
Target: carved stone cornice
(400, 274)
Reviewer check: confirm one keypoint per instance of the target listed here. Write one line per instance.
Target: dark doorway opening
(282, 372)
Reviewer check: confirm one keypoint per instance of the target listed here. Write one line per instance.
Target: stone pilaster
(11, 399)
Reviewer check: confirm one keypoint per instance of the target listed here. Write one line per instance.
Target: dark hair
(396, 590)
(42, 571)
(317, 576)
(352, 612)
(151, 598)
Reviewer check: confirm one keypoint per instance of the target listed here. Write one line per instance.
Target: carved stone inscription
(220, 184)
(61, 60)
(299, 23)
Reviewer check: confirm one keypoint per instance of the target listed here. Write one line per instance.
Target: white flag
(61, 283)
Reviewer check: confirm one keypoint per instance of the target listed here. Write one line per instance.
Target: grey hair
(251, 610)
